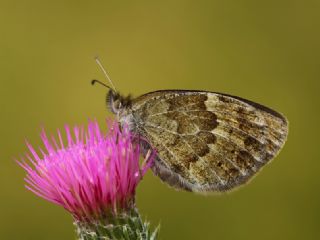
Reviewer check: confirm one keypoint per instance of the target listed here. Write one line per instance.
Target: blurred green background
(266, 51)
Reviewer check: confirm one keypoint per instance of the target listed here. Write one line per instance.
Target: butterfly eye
(115, 106)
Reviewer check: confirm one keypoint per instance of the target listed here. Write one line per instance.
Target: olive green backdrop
(266, 51)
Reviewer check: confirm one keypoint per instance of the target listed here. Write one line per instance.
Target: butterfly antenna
(103, 84)
(105, 73)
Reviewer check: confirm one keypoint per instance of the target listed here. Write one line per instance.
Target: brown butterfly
(205, 141)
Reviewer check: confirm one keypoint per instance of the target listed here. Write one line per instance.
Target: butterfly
(205, 141)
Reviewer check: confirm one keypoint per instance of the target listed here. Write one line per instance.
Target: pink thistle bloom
(93, 176)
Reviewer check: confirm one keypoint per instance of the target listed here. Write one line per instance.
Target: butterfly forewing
(207, 141)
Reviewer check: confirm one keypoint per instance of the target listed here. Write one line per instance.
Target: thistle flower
(94, 177)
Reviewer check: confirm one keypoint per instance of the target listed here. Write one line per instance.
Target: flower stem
(124, 226)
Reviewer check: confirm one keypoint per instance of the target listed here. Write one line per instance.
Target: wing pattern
(207, 141)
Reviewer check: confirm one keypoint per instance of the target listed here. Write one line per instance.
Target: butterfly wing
(207, 141)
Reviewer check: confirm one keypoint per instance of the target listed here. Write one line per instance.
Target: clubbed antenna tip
(94, 81)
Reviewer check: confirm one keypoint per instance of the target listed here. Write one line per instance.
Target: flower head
(92, 176)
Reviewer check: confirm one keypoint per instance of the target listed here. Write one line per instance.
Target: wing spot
(253, 143)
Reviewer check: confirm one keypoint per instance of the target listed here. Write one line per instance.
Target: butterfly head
(116, 102)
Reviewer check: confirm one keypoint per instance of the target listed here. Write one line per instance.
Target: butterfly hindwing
(207, 141)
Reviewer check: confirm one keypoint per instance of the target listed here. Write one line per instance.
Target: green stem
(124, 226)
